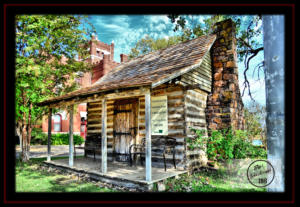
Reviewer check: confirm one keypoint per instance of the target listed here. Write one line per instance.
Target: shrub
(227, 144)
(63, 139)
(38, 137)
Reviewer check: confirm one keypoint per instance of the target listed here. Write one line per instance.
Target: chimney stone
(225, 97)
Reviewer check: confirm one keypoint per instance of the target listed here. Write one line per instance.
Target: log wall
(195, 104)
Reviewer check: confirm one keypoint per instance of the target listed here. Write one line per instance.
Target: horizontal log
(179, 97)
(175, 119)
(179, 109)
(175, 131)
(189, 119)
(177, 115)
(176, 123)
(176, 127)
(198, 93)
(175, 93)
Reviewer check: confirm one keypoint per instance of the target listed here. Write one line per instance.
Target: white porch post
(148, 136)
(71, 147)
(104, 138)
(49, 135)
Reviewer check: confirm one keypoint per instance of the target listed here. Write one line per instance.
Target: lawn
(210, 181)
(32, 177)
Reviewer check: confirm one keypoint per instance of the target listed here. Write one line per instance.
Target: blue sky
(126, 30)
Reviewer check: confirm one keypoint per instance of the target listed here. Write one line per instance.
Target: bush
(38, 137)
(227, 144)
(63, 139)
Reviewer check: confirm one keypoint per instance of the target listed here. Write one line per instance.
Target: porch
(118, 173)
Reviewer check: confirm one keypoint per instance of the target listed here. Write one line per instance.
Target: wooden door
(125, 127)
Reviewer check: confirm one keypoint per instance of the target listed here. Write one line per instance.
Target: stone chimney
(224, 103)
(124, 58)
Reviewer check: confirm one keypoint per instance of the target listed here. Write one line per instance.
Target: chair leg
(130, 159)
(165, 161)
(174, 162)
(141, 160)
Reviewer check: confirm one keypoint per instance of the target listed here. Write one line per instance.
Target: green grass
(210, 181)
(31, 178)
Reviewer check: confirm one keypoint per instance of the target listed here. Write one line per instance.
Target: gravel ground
(39, 151)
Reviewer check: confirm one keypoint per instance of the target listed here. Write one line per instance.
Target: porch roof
(151, 69)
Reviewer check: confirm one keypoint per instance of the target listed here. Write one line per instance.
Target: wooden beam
(49, 135)
(71, 147)
(148, 136)
(107, 95)
(104, 138)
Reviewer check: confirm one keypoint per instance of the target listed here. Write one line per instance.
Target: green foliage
(38, 137)
(148, 44)
(227, 144)
(255, 117)
(63, 139)
(198, 141)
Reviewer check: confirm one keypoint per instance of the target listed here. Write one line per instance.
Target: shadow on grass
(31, 177)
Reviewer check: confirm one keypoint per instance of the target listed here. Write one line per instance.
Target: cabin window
(57, 122)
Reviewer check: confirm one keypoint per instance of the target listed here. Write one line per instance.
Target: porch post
(104, 138)
(71, 147)
(49, 135)
(148, 136)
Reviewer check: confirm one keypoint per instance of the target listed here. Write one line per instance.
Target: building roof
(151, 69)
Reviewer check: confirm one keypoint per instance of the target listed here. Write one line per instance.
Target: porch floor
(117, 173)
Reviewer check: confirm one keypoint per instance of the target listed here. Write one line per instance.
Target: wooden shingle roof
(151, 69)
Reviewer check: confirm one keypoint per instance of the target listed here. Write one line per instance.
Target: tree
(247, 31)
(46, 65)
(148, 44)
(255, 118)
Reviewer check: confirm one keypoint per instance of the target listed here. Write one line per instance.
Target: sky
(126, 30)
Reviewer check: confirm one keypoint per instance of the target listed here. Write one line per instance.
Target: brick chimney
(112, 50)
(224, 103)
(124, 58)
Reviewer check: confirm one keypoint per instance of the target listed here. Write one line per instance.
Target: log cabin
(193, 84)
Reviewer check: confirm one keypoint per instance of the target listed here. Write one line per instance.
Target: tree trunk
(273, 27)
(19, 133)
(25, 152)
(29, 128)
